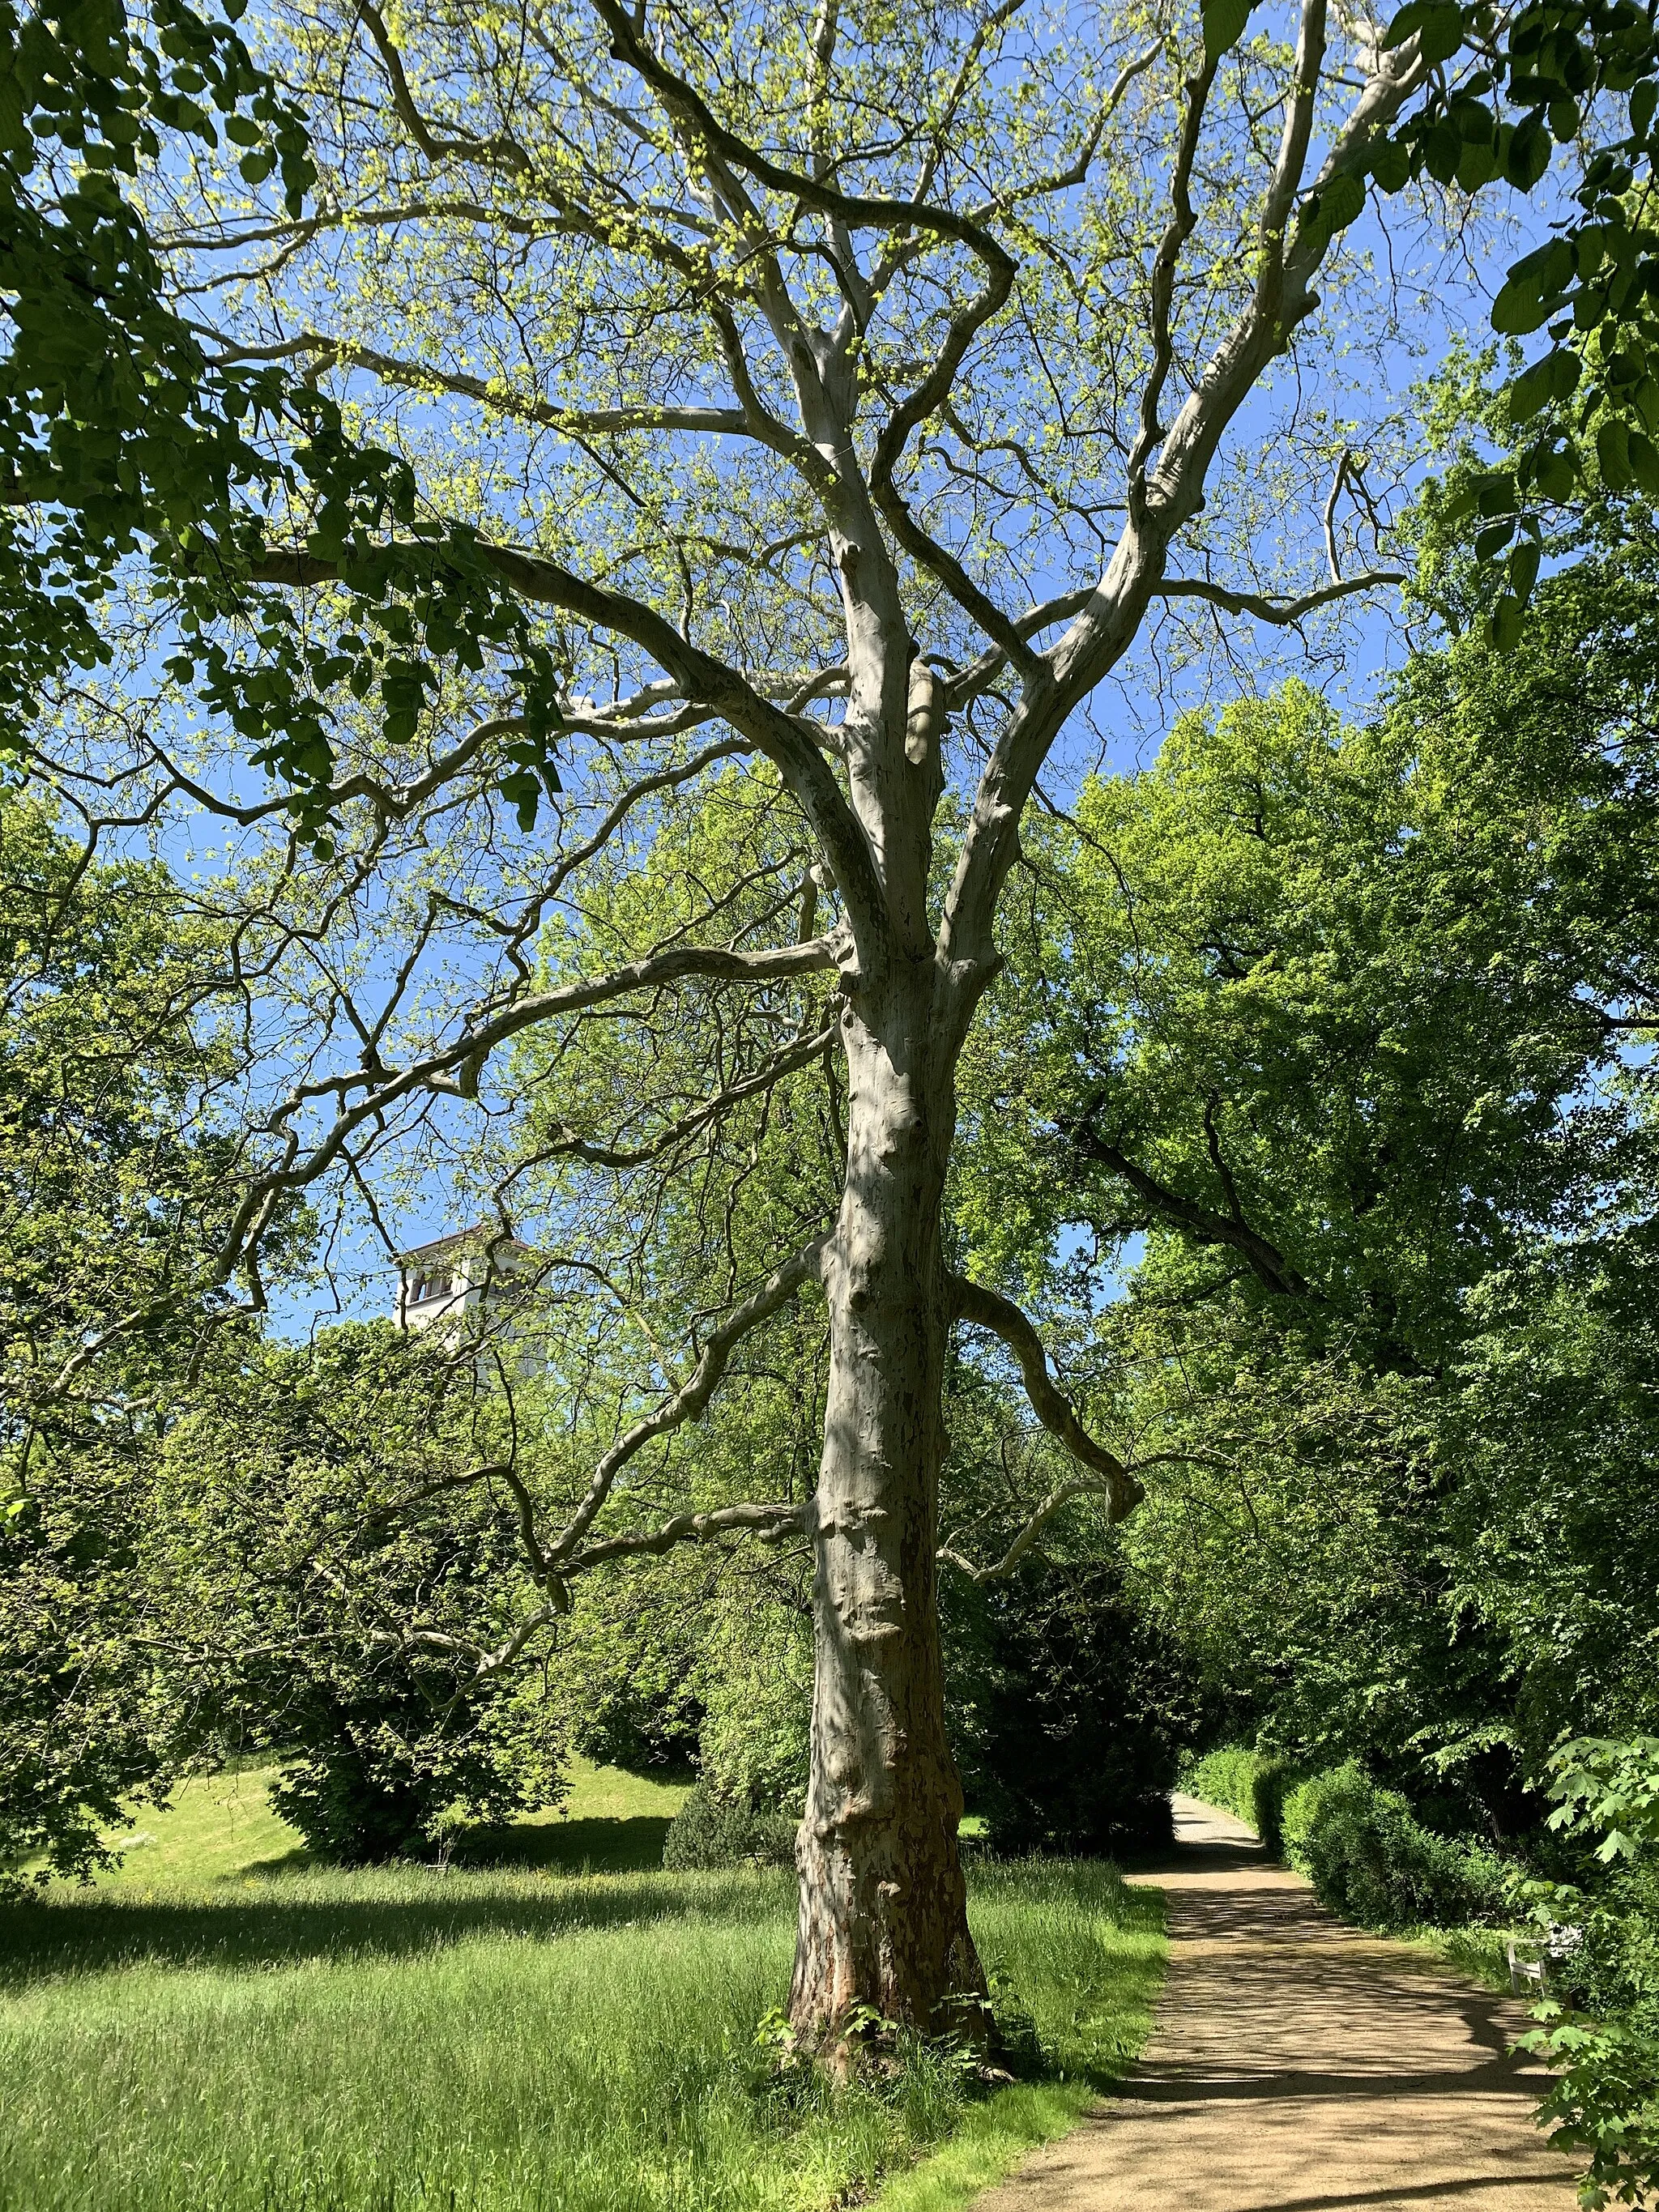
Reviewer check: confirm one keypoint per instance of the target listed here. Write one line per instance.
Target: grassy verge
(1478, 1954)
(504, 2040)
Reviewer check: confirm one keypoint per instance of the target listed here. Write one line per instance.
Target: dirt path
(1297, 2066)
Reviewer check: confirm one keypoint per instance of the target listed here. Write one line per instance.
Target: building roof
(482, 1232)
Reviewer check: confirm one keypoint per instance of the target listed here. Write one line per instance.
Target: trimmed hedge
(1372, 1860)
(1361, 1847)
(1251, 1785)
(709, 1832)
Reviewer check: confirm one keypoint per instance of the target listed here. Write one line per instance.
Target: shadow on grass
(597, 1846)
(333, 1916)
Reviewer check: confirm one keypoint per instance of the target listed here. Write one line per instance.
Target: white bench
(1532, 1957)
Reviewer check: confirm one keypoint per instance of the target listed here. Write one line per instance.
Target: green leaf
(1443, 150)
(1520, 309)
(1477, 164)
(1224, 25)
(1529, 154)
(1405, 22)
(1441, 32)
(1495, 492)
(1524, 569)
(1643, 101)
(1504, 624)
(1491, 541)
(1332, 208)
(1644, 457)
(1566, 367)
(1391, 164)
(1533, 390)
(1613, 454)
(1548, 267)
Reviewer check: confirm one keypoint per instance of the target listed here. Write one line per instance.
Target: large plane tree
(820, 406)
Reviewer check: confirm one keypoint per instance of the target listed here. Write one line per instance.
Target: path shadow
(1209, 1857)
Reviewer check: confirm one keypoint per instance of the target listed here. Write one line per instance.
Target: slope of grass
(503, 2041)
(221, 1827)
(216, 1827)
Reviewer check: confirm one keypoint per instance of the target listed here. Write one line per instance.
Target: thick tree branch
(740, 422)
(1106, 624)
(1267, 609)
(988, 1309)
(771, 1524)
(1178, 231)
(501, 151)
(858, 213)
(1201, 1222)
(700, 678)
(451, 1068)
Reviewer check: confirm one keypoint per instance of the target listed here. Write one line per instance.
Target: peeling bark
(883, 1916)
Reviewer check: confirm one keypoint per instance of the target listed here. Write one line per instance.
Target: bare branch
(1267, 609)
(1058, 1499)
(565, 1143)
(1201, 1222)
(688, 1400)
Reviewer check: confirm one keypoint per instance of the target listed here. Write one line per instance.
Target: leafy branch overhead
(122, 432)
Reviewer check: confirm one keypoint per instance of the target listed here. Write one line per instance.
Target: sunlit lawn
(196, 2034)
(220, 1827)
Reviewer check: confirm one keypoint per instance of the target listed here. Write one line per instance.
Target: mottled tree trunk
(883, 1909)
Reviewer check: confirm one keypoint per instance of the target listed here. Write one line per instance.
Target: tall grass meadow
(502, 2040)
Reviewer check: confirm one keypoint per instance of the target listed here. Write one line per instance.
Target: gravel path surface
(1297, 2066)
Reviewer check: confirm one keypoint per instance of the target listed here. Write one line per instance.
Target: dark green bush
(1067, 1708)
(1615, 1971)
(1373, 1861)
(709, 1832)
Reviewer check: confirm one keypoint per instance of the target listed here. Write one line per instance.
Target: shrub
(1604, 2100)
(710, 1832)
(1605, 2096)
(1066, 1708)
(1252, 1785)
(370, 1779)
(1370, 1859)
(1604, 2053)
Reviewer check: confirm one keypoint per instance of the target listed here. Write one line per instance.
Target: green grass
(1479, 1953)
(406, 2040)
(221, 1827)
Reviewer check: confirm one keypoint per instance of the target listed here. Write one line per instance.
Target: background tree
(1336, 1021)
(320, 1582)
(108, 1210)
